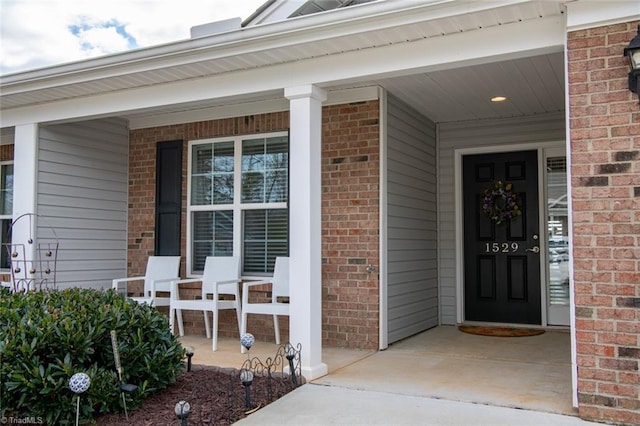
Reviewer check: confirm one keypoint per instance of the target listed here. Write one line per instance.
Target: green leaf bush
(46, 337)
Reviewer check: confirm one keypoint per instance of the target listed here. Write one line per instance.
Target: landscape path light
(190, 351)
(182, 410)
(247, 341)
(246, 377)
(290, 355)
(79, 383)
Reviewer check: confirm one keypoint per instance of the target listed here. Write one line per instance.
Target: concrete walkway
(314, 404)
(439, 377)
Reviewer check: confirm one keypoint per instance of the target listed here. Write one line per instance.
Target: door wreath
(500, 203)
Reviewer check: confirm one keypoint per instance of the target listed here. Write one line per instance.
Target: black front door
(501, 238)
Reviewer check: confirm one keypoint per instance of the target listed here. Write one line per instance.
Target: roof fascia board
(390, 13)
(364, 65)
(219, 112)
(588, 14)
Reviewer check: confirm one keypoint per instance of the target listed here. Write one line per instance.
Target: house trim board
(589, 14)
(572, 303)
(242, 109)
(383, 244)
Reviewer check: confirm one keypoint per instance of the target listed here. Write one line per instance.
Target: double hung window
(237, 203)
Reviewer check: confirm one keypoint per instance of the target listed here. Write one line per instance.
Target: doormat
(500, 331)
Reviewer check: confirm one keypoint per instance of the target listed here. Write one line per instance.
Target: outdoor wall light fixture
(632, 52)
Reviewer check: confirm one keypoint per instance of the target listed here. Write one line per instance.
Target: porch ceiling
(534, 85)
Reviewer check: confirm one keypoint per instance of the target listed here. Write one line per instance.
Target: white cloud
(102, 39)
(38, 33)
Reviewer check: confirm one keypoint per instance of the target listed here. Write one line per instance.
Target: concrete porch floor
(532, 373)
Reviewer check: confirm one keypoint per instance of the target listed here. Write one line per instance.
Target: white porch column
(305, 321)
(25, 157)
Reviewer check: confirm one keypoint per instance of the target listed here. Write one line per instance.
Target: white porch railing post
(305, 226)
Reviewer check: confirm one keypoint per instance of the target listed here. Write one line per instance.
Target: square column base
(315, 372)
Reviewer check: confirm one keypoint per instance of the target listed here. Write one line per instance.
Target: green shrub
(46, 337)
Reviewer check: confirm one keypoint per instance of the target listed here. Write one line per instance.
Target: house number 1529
(501, 247)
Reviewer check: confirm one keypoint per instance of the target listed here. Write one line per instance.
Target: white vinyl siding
(452, 136)
(82, 197)
(412, 280)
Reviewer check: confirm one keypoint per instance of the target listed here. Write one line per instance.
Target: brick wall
(349, 223)
(605, 147)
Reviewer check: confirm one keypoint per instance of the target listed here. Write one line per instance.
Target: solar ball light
(79, 383)
(182, 410)
(247, 340)
(246, 377)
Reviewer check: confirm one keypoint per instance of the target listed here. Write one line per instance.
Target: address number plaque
(498, 247)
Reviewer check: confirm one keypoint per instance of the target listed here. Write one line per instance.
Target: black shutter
(168, 198)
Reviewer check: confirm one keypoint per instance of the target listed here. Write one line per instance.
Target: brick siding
(350, 225)
(605, 155)
(349, 222)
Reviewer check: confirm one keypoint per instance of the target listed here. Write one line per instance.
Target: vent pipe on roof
(215, 27)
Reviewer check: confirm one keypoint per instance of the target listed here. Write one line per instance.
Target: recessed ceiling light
(498, 99)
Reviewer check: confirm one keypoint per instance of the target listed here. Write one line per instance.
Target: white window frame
(9, 216)
(237, 207)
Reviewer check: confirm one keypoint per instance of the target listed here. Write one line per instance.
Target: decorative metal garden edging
(280, 375)
(285, 365)
(256, 384)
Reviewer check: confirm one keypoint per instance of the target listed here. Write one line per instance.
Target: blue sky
(39, 33)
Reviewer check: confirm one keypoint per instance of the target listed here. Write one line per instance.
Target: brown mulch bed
(216, 397)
